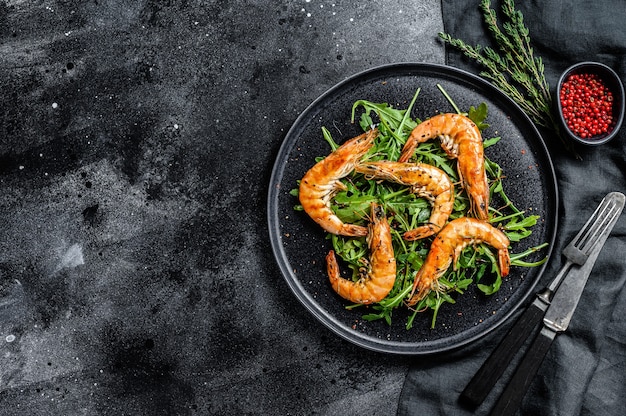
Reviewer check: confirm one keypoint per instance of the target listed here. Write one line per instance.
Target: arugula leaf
(478, 115)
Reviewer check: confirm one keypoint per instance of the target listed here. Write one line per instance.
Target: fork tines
(596, 225)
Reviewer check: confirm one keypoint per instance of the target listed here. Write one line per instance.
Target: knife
(556, 320)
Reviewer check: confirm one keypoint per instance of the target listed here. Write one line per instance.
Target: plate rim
(357, 338)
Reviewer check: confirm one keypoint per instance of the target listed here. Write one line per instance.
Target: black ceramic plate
(299, 244)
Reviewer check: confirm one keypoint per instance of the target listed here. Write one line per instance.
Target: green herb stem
(513, 67)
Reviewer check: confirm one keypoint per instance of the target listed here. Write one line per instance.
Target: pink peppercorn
(587, 105)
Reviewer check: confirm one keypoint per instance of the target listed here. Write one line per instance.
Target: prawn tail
(407, 153)
(352, 230)
(421, 232)
(504, 261)
(421, 287)
(332, 269)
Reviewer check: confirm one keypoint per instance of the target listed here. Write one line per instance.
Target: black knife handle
(483, 381)
(514, 392)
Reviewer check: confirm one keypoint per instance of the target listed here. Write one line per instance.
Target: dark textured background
(136, 143)
(137, 139)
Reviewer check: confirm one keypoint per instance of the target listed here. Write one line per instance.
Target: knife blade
(556, 320)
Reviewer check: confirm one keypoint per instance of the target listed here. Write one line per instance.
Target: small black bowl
(612, 81)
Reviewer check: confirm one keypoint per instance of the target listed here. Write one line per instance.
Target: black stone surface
(136, 143)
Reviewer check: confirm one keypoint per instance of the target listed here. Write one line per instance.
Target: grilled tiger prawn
(377, 281)
(424, 180)
(461, 140)
(322, 182)
(447, 247)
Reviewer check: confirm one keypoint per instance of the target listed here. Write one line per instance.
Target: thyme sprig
(514, 68)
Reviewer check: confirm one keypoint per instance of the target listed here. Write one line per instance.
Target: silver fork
(576, 253)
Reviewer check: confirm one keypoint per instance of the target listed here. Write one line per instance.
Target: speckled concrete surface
(136, 144)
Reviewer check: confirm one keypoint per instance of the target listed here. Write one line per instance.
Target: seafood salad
(408, 207)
